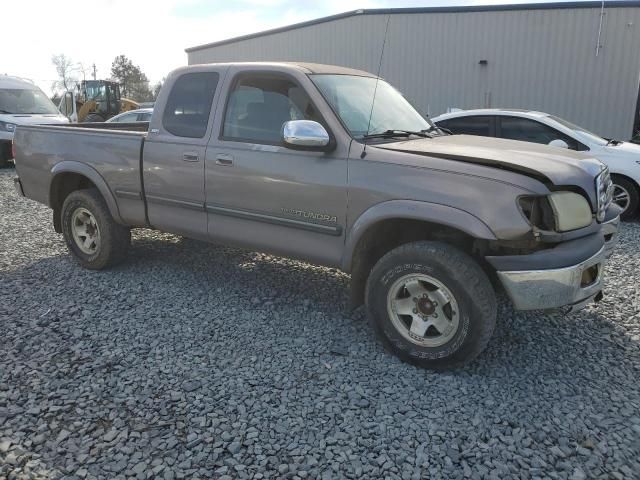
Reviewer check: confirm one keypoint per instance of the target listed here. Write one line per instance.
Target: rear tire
(431, 304)
(627, 191)
(90, 232)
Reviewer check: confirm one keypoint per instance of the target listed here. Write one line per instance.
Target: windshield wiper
(397, 133)
(440, 129)
(7, 112)
(436, 128)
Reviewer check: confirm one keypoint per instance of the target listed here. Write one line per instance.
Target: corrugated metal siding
(537, 59)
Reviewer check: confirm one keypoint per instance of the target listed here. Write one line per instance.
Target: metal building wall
(541, 59)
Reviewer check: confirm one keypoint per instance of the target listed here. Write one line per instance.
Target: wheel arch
(627, 178)
(390, 224)
(635, 185)
(69, 176)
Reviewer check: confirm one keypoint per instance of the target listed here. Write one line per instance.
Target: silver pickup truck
(293, 159)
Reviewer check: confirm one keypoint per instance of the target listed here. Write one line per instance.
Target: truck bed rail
(129, 127)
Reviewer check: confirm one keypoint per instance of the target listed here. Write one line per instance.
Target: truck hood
(33, 119)
(550, 165)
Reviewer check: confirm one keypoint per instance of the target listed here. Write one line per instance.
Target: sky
(152, 33)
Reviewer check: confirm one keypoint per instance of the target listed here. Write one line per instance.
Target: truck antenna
(375, 89)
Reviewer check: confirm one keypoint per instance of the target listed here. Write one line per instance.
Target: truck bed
(111, 151)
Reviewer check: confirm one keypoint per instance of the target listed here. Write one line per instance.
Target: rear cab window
(186, 113)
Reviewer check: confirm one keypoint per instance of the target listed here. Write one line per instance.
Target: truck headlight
(558, 211)
(604, 193)
(7, 127)
(570, 210)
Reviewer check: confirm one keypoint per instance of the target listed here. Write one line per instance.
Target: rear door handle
(224, 159)
(190, 157)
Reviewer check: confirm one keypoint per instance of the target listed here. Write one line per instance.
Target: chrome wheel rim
(621, 196)
(423, 310)
(85, 231)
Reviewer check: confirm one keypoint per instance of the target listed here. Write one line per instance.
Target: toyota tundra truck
(333, 166)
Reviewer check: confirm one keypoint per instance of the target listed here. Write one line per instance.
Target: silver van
(22, 103)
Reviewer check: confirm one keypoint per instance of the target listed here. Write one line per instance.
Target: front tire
(625, 195)
(431, 304)
(90, 232)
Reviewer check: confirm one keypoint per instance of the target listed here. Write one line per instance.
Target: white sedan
(133, 116)
(622, 158)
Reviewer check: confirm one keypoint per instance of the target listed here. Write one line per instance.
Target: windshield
(351, 97)
(25, 101)
(95, 90)
(584, 133)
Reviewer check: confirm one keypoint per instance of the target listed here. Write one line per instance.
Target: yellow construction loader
(94, 101)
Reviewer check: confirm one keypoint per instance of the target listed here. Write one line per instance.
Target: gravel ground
(196, 361)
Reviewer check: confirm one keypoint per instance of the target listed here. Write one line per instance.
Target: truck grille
(604, 193)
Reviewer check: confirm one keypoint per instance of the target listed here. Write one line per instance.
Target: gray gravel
(196, 361)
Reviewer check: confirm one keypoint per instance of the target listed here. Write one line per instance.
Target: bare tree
(64, 67)
(156, 88)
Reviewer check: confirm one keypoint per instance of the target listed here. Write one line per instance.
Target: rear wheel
(431, 304)
(626, 196)
(90, 232)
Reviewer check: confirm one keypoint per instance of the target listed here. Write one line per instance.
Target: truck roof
(306, 67)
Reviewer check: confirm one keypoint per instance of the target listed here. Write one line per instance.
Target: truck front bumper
(610, 232)
(567, 275)
(574, 286)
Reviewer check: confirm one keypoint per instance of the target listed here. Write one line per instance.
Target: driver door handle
(224, 159)
(190, 157)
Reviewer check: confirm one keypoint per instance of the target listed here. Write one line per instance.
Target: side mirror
(558, 143)
(305, 135)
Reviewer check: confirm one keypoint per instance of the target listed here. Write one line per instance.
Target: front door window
(260, 104)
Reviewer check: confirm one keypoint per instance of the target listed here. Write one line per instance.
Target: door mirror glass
(305, 135)
(558, 143)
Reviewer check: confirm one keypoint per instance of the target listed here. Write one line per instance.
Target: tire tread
(466, 271)
(115, 238)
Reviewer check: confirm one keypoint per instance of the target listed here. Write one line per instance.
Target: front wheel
(626, 196)
(431, 304)
(90, 232)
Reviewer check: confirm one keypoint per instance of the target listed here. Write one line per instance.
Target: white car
(622, 158)
(132, 116)
(22, 103)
